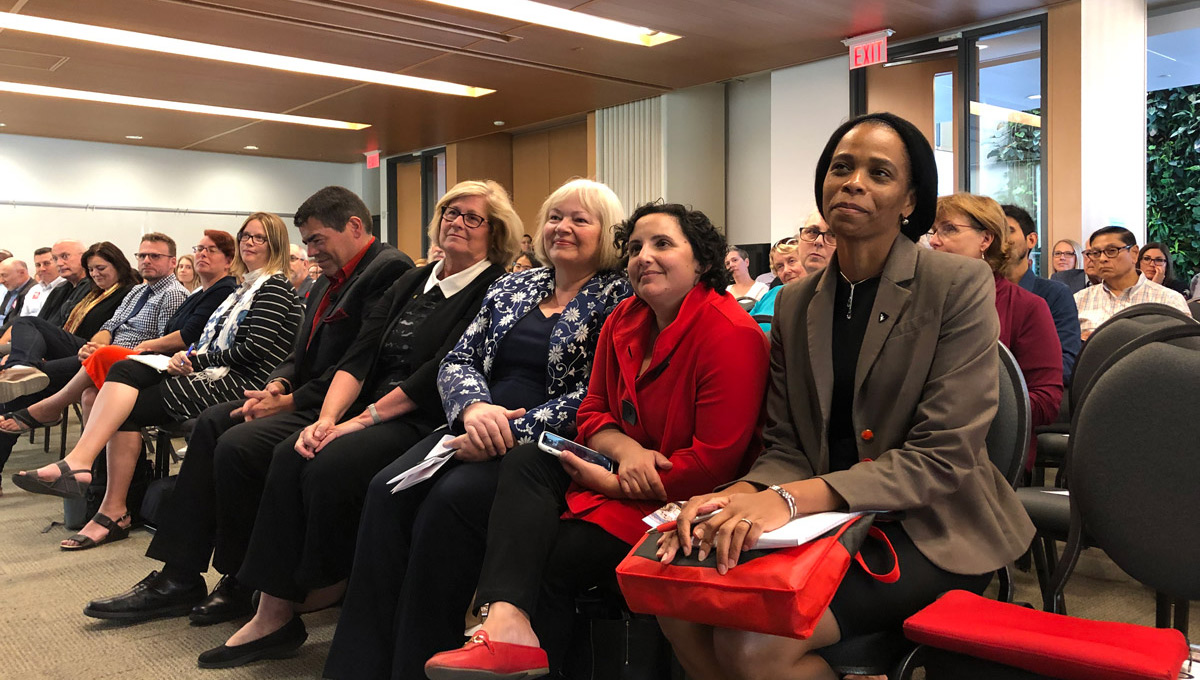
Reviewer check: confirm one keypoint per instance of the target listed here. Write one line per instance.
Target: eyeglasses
(1156, 261)
(296, 258)
(520, 267)
(211, 250)
(1064, 253)
(472, 220)
(811, 234)
(150, 256)
(1109, 252)
(789, 241)
(256, 239)
(950, 229)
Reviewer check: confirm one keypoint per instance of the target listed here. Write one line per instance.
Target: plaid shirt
(166, 295)
(1098, 303)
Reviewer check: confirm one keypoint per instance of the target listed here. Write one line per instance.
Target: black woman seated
(302, 540)
(674, 398)
(520, 368)
(884, 382)
(243, 340)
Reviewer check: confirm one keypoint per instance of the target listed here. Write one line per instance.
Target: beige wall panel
(408, 209)
(487, 157)
(531, 175)
(568, 154)
(1062, 101)
(907, 91)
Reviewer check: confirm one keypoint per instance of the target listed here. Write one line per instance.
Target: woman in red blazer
(675, 396)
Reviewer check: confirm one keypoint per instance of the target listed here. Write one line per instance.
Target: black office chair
(1007, 443)
(1194, 305)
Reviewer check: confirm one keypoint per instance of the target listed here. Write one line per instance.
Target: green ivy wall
(1173, 174)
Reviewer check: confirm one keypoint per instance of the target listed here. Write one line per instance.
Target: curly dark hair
(708, 244)
(922, 168)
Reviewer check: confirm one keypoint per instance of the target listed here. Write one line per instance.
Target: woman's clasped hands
(318, 435)
(488, 433)
(739, 521)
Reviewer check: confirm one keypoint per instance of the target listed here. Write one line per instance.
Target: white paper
(418, 473)
(796, 532)
(156, 361)
(1057, 492)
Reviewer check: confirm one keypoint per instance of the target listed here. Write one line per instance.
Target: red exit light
(868, 49)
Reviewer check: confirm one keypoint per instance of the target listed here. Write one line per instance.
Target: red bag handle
(893, 575)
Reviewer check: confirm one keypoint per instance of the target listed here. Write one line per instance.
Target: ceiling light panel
(104, 97)
(564, 19)
(233, 55)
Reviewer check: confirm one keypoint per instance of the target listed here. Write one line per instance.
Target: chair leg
(1162, 610)
(1008, 591)
(62, 435)
(1181, 615)
(1054, 601)
(911, 662)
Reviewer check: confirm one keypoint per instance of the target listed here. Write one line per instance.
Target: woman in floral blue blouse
(521, 368)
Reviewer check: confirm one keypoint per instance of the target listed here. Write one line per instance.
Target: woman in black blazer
(303, 538)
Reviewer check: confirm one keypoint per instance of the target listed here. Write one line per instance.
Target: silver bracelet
(787, 498)
(375, 419)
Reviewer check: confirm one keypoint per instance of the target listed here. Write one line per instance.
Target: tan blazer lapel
(890, 302)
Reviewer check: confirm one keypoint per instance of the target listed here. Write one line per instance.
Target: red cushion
(1050, 644)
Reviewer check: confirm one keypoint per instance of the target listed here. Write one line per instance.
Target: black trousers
(537, 561)
(36, 342)
(303, 536)
(415, 568)
(190, 527)
(149, 408)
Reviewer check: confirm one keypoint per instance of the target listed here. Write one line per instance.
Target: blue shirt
(764, 309)
(1066, 317)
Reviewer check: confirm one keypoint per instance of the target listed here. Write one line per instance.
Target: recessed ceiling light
(250, 147)
(40, 90)
(1034, 97)
(497, 123)
(3, 124)
(133, 136)
(564, 19)
(233, 55)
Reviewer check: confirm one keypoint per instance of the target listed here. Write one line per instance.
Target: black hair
(44, 250)
(1169, 274)
(533, 260)
(1127, 236)
(921, 165)
(333, 207)
(1021, 217)
(708, 244)
(108, 251)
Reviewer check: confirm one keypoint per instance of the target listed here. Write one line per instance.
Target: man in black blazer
(355, 272)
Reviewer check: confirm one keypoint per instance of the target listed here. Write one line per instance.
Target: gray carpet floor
(43, 633)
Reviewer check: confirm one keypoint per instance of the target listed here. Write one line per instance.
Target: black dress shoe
(153, 597)
(278, 645)
(229, 600)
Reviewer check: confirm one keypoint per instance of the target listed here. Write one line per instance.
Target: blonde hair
(1074, 246)
(505, 225)
(987, 215)
(602, 203)
(279, 246)
(190, 259)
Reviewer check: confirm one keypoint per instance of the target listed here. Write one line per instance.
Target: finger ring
(749, 522)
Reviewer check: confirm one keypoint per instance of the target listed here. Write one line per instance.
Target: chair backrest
(1194, 305)
(1128, 324)
(1135, 463)
(1008, 437)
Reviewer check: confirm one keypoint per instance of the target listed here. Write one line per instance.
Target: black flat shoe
(154, 597)
(281, 644)
(229, 600)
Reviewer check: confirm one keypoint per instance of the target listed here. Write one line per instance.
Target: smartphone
(555, 445)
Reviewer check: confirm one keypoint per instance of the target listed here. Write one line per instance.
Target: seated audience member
(525, 261)
(185, 273)
(1068, 265)
(794, 258)
(298, 272)
(744, 289)
(674, 399)
(1114, 252)
(62, 299)
(357, 269)
(974, 226)
(242, 341)
(14, 277)
(1155, 262)
(901, 343)
(1022, 240)
(54, 350)
(46, 279)
(303, 537)
(520, 369)
(141, 315)
(214, 258)
(526, 244)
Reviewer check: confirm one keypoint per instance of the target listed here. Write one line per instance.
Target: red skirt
(103, 359)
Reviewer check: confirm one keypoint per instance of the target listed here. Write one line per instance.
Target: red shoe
(482, 659)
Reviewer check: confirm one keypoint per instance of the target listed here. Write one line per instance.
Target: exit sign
(869, 49)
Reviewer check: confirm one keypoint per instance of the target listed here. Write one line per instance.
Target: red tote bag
(778, 592)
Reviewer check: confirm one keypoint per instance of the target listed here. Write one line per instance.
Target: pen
(670, 526)
(191, 350)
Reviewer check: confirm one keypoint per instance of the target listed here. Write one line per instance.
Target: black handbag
(609, 642)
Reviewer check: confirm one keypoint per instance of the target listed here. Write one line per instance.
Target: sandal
(116, 532)
(65, 486)
(27, 422)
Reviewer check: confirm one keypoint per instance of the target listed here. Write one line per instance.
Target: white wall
(748, 160)
(104, 176)
(807, 103)
(694, 149)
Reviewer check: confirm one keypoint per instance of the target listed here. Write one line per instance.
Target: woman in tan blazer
(884, 382)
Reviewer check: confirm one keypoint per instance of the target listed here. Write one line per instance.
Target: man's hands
(265, 402)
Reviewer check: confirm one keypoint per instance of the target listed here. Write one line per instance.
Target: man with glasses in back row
(1114, 252)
